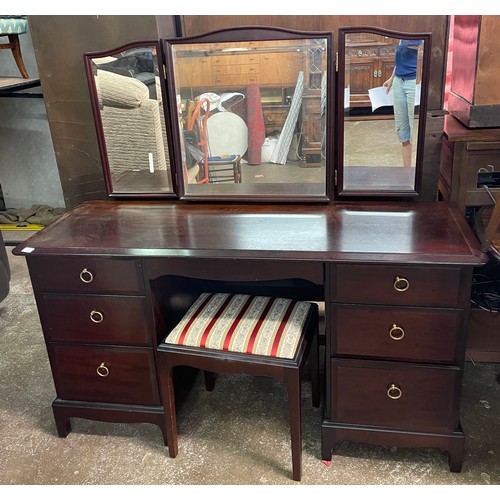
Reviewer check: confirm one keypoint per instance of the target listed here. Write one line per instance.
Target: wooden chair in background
(12, 27)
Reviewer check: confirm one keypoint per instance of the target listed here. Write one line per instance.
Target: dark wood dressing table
(111, 277)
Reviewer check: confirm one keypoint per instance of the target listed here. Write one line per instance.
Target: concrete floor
(236, 435)
(374, 143)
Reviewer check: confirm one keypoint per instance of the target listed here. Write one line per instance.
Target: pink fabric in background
(255, 122)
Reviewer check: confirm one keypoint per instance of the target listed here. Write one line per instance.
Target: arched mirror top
(382, 103)
(251, 110)
(127, 100)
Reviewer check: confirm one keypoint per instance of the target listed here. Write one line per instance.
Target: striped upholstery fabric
(243, 323)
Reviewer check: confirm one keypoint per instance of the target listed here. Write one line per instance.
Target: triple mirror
(383, 86)
(248, 114)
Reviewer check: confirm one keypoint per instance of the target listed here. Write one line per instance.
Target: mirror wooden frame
(340, 192)
(147, 190)
(287, 192)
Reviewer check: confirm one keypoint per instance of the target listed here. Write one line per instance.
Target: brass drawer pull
(396, 332)
(394, 391)
(86, 276)
(102, 370)
(401, 284)
(96, 316)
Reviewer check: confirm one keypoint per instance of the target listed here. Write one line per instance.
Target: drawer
(104, 374)
(86, 275)
(395, 395)
(235, 60)
(405, 333)
(481, 165)
(437, 286)
(239, 69)
(95, 319)
(236, 79)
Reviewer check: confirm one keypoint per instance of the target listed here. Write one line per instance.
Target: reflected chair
(214, 169)
(224, 169)
(253, 335)
(12, 27)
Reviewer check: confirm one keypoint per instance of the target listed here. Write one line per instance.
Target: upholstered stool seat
(12, 27)
(236, 333)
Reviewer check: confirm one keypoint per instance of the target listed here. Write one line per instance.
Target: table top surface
(431, 233)
(456, 131)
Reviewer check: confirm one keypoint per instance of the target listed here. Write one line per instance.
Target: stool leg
(16, 52)
(314, 364)
(293, 383)
(168, 398)
(209, 380)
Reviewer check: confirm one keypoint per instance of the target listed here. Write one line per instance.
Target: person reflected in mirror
(403, 82)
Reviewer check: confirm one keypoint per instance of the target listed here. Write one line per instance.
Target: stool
(13, 26)
(254, 335)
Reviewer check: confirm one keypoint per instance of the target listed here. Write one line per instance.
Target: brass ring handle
(86, 276)
(96, 316)
(394, 391)
(401, 284)
(102, 370)
(396, 332)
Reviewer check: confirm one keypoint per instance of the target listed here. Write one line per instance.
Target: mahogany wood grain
(342, 254)
(130, 379)
(423, 233)
(87, 275)
(427, 402)
(427, 286)
(95, 319)
(403, 333)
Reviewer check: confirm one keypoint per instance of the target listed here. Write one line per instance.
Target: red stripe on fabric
(235, 323)
(256, 328)
(192, 319)
(279, 333)
(216, 316)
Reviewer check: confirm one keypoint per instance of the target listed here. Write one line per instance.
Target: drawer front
(405, 333)
(397, 285)
(86, 275)
(107, 375)
(95, 319)
(394, 395)
(481, 166)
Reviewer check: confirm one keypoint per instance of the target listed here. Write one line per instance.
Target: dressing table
(111, 278)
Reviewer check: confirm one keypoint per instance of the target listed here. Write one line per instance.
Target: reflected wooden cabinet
(194, 71)
(371, 61)
(311, 128)
(229, 70)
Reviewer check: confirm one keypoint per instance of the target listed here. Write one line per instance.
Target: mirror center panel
(251, 114)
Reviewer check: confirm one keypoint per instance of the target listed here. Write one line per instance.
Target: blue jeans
(404, 107)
